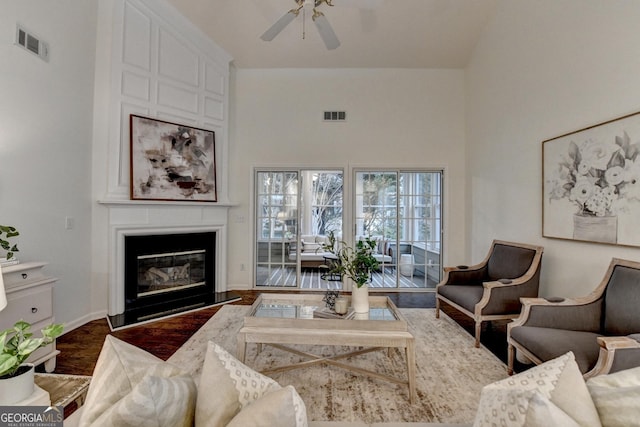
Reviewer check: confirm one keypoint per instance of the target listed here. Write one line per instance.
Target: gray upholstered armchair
(491, 290)
(601, 329)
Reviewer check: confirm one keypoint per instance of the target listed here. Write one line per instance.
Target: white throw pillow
(311, 247)
(282, 408)
(617, 397)
(227, 386)
(130, 384)
(558, 380)
(322, 239)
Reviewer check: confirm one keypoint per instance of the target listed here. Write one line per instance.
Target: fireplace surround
(137, 220)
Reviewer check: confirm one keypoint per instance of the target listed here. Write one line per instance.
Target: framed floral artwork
(591, 183)
(170, 161)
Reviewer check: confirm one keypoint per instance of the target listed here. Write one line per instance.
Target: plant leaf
(27, 347)
(21, 325)
(3, 338)
(52, 331)
(8, 364)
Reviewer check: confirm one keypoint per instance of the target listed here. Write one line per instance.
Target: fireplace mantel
(116, 203)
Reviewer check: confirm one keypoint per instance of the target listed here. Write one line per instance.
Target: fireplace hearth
(168, 274)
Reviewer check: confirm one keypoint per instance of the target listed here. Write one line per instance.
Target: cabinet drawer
(31, 305)
(22, 274)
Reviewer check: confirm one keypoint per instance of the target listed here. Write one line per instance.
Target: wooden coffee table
(281, 320)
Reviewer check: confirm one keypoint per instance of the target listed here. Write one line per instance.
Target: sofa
(131, 387)
(313, 254)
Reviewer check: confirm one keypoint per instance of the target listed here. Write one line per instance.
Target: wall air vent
(32, 43)
(335, 116)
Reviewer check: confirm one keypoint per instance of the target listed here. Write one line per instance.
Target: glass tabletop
(305, 311)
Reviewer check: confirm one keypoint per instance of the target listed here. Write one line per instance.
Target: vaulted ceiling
(385, 33)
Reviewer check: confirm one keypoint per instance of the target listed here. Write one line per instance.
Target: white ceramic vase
(360, 298)
(15, 389)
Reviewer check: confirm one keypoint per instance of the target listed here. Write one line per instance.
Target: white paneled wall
(162, 67)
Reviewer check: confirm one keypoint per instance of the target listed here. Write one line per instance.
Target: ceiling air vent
(32, 43)
(335, 116)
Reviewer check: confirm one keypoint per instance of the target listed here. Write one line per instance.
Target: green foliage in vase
(8, 232)
(355, 263)
(17, 344)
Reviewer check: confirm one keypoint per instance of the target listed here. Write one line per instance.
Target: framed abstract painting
(170, 161)
(591, 183)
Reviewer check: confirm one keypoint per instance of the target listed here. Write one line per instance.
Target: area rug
(450, 372)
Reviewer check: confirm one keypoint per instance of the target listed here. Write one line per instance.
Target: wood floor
(79, 349)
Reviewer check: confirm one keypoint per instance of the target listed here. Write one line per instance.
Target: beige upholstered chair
(492, 289)
(601, 329)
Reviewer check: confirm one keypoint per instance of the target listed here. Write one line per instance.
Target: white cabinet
(30, 298)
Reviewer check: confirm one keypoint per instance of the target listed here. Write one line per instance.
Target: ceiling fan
(322, 24)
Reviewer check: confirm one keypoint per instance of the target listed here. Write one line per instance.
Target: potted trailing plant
(16, 345)
(7, 232)
(355, 263)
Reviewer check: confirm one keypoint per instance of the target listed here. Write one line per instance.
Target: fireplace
(167, 271)
(167, 274)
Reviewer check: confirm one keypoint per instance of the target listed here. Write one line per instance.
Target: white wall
(395, 118)
(542, 69)
(45, 142)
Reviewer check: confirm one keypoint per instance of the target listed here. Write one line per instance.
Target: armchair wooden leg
(437, 308)
(511, 351)
(478, 329)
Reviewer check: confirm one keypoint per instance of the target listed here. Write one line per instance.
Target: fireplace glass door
(170, 271)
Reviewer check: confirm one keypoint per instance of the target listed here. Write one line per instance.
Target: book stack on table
(327, 313)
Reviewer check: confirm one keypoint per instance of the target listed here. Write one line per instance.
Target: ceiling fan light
(280, 25)
(326, 32)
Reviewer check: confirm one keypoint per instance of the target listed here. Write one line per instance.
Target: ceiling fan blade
(279, 25)
(326, 32)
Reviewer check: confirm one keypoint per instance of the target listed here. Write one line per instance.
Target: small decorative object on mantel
(8, 232)
(591, 183)
(170, 161)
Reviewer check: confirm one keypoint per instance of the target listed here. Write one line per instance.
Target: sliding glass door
(277, 200)
(295, 211)
(402, 211)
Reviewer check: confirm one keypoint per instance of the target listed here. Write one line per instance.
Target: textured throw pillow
(138, 389)
(513, 407)
(558, 380)
(226, 386)
(617, 397)
(282, 408)
(382, 246)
